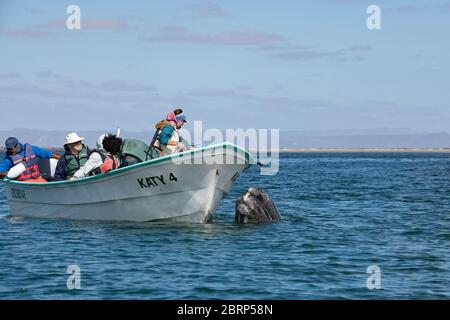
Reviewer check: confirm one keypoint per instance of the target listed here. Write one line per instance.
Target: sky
(293, 65)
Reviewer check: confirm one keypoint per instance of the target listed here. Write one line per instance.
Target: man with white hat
(75, 156)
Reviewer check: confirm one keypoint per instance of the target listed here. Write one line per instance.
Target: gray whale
(255, 206)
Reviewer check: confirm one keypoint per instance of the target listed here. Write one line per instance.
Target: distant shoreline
(336, 150)
(365, 150)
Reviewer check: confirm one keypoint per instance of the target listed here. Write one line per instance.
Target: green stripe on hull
(248, 159)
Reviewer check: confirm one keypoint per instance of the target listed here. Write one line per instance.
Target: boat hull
(185, 187)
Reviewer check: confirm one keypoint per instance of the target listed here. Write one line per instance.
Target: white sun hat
(72, 138)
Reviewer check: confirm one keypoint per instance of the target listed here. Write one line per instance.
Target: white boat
(186, 186)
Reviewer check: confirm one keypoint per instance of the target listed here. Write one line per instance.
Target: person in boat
(170, 119)
(170, 140)
(104, 159)
(76, 153)
(25, 155)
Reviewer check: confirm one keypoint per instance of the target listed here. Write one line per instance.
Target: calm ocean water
(342, 212)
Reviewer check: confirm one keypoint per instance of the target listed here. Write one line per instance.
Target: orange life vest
(29, 160)
(109, 163)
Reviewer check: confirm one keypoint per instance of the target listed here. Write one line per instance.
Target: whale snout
(255, 206)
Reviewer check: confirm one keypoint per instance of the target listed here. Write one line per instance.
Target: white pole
(118, 132)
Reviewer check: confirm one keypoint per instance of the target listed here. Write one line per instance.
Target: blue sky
(305, 65)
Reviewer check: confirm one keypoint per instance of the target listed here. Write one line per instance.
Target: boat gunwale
(249, 159)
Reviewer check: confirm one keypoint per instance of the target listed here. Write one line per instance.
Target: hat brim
(78, 140)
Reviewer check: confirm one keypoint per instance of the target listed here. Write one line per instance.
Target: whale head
(255, 206)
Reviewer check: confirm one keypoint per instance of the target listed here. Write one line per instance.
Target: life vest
(110, 162)
(75, 162)
(156, 137)
(29, 160)
(169, 149)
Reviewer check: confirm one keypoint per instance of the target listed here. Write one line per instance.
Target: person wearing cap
(28, 156)
(75, 156)
(170, 118)
(169, 139)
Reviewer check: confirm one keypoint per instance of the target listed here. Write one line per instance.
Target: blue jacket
(60, 170)
(7, 164)
(166, 134)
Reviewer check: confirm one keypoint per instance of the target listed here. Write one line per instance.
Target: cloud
(268, 102)
(9, 75)
(90, 24)
(25, 88)
(379, 103)
(428, 70)
(120, 85)
(309, 54)
(35, 11)
(360, 48)
(46, 30)
(31, 33)
(117, 101)
(213, 93)
(349, 59)
(342, 1)
(207, 9)
(129, 17)
(406, 9)
(280, 48)
(177, 34)
(105, 24)
(46, 74)
(306, 55)
(243, 88)
(109, 102)
(113, 90)
(444, 6)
